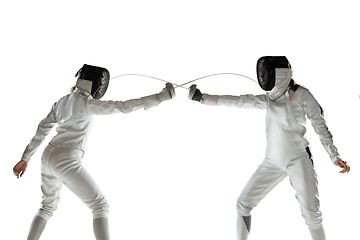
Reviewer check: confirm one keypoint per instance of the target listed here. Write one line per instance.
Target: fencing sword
(182, 85)
(140, 75)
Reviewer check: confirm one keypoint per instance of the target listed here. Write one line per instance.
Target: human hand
(167, 93)
(343, 165)
(194, 93)
(20, 168)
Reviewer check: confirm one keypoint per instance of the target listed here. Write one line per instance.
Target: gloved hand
(167, 93)
(194, 93)
(153, 100)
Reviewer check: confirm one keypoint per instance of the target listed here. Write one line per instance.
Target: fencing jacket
(74, 115)
(285, 121)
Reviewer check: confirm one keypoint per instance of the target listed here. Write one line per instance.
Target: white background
(175, 171)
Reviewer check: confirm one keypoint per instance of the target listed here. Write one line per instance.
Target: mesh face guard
(265, 69)
(99, 78)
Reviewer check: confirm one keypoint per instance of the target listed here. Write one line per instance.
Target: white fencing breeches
(303, 179)
(61, 165)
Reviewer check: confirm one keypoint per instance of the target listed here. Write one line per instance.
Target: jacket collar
(282, 80)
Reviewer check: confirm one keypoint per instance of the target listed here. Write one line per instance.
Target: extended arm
(97, 107)
(244, 101)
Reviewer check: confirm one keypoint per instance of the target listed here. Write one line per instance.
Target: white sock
(101, 228)
(37, 227)
(318, 234)
(243, 227)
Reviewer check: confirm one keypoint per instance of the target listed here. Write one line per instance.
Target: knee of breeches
(313, 221)
(100, 208)
(242, 209)
(46, 211)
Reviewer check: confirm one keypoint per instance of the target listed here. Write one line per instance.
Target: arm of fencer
(242, 101)
(43, 130)
(153, 100)
(98, 107)
(315, 114)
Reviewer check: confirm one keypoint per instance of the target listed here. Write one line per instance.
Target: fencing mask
(265, 69)
(93, 80)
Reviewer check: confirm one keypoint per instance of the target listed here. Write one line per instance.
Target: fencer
(62, 158)
(287, 105)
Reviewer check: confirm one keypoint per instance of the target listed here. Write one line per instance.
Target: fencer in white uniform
(62, 158)
(287, 153)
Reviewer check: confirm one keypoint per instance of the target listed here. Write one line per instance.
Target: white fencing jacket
(74, 115)
(285, 120)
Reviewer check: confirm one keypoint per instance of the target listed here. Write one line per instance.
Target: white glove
(153, 100)
(167, 93)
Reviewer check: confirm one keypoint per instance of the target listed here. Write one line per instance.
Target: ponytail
(72, 89)
(293, 86)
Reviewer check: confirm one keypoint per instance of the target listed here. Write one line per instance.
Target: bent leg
(303, 179)
(51, 189)
(50, 186)
(72, 173)
(79, 181)
(265, 179)
(83, 186)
